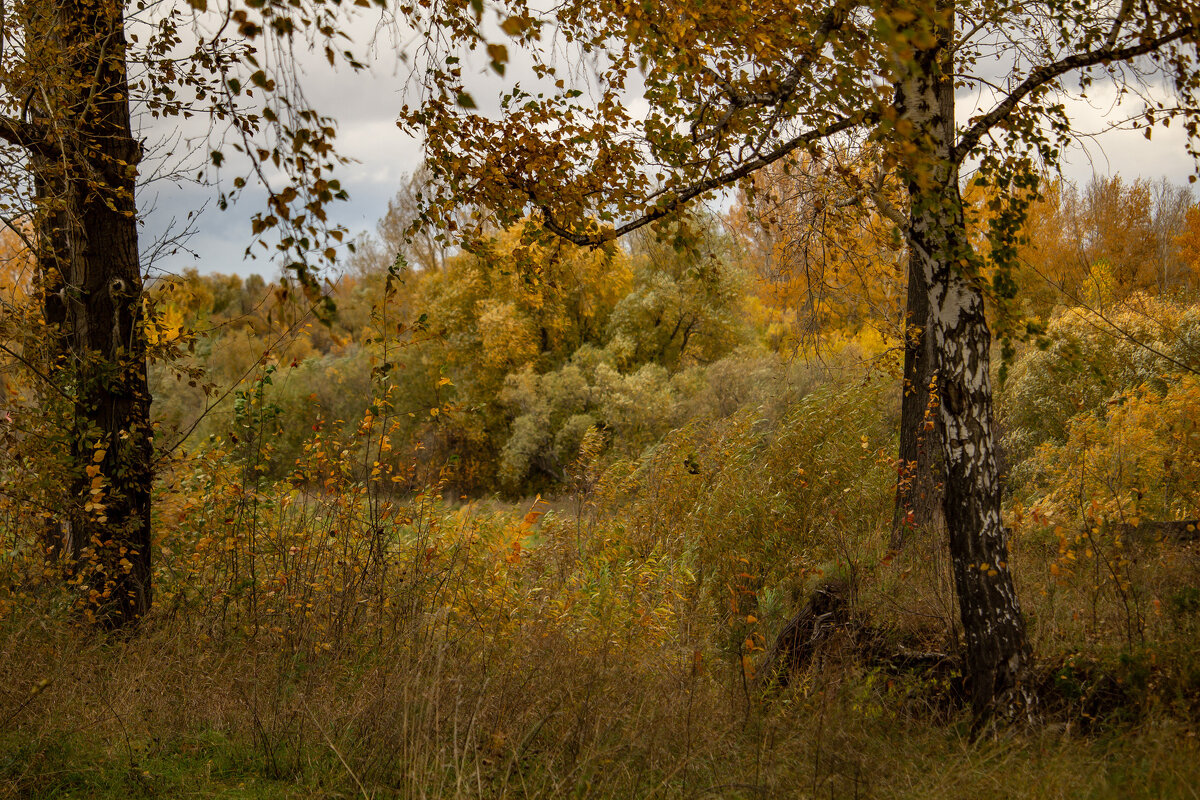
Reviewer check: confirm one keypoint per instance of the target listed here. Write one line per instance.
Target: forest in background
(496, 364)
(531, 520)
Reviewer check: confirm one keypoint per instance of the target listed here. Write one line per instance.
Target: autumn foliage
(521, 513)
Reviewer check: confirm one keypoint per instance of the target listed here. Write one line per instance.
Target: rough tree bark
(920, 479)
(997, 650)
(84, 159)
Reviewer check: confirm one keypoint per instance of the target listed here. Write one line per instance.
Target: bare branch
(46, 379)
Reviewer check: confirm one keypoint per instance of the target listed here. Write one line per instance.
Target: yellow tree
(502, 309)
(820, 254)
(16, 285)
(1102, 244)
(1188, 241)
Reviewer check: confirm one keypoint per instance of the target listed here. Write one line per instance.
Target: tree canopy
(730, 88)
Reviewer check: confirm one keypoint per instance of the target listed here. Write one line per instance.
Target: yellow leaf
(535, 512)
(498, 53)
(512, 26)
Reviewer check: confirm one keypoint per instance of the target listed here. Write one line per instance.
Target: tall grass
(335, 635)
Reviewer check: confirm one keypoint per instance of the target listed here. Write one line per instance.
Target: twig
(37, 689)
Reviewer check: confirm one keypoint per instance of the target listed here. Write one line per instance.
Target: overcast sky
(365, 105)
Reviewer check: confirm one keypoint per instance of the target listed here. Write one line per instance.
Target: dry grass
(533, 716)
(534, 705)
(349, 643)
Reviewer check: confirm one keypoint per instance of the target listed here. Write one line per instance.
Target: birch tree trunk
(996, 647)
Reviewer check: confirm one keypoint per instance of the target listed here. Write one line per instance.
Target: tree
(732, 88)
(69, 76)
(422, 250)
(1101, 244)
(834, 265)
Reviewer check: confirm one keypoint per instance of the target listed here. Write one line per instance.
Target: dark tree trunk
(826, 613)
(920, 479)
(996, 647)
(85, 178)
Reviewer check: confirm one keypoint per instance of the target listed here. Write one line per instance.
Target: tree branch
(37, 373)
(902, 222)
(1048, 72)
(834, 19)
(1118, 23)
(689, 193)
(24, 134)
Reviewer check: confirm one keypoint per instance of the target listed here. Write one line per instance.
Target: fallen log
(825, 617)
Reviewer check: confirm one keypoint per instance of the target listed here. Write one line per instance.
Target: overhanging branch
(832, 21)
(1048, 72)
(694, 190)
